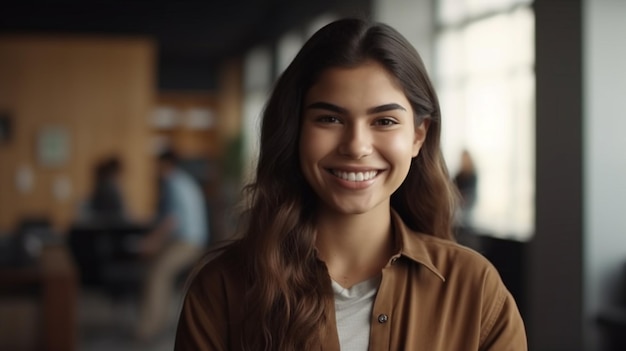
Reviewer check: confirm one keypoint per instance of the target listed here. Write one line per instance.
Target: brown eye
(328, 119)
(385, 122)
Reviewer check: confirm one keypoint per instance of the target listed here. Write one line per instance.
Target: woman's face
(358, 138)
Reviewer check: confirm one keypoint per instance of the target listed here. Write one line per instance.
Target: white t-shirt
(353, 311)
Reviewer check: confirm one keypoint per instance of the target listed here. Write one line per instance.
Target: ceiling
(189, 34)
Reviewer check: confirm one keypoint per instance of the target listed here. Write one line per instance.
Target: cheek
(309, 154)
(400, 147)
(314, 145)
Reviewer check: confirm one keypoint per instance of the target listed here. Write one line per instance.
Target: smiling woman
(347, 243)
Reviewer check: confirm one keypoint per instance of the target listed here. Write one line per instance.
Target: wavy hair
(287, 287)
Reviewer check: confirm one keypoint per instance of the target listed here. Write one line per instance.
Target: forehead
(368, 82)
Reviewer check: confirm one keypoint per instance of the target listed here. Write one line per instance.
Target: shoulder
(216, 286)
(460, 268)
(177, 178)
(448, 259)
(219, 267)
(212, 303)
(467, 271)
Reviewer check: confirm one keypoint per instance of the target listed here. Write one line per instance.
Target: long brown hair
(287, 287)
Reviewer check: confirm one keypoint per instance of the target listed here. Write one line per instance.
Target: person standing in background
(176, 242)
(466, 181)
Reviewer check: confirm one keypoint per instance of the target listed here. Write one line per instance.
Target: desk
(55, 280)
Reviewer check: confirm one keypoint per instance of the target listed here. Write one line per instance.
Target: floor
(105, 325)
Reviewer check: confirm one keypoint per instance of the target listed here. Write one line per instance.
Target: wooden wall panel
(101, 90)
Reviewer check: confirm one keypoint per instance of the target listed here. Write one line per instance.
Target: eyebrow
(341, 110)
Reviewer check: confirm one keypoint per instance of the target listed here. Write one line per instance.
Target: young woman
(347, 239)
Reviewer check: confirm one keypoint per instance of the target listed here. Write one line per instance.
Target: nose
(356, 141)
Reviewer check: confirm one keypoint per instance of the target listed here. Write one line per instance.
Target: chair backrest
(95, 247)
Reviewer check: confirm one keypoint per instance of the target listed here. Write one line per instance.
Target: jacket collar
(412, 245)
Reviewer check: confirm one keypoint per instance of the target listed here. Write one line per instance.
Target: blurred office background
(533, 91)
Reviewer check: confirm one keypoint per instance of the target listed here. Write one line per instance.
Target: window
(484, 72)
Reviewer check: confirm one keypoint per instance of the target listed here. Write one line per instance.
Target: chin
(352, 209)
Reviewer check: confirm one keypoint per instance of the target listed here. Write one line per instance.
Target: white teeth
(355, 176)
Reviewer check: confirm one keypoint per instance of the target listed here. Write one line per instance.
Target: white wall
(604, 133)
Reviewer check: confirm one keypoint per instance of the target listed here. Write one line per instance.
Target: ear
(420, 136)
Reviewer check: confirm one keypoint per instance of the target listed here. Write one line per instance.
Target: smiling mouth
(354, 176)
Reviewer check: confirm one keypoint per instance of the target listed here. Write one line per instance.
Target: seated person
(175, 243)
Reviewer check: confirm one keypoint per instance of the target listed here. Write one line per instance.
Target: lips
(354, 176)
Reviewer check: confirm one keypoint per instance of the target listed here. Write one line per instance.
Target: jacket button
(382, 318)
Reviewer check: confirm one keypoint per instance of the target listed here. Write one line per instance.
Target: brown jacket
(434, 295)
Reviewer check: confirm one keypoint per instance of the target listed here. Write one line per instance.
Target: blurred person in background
(106, 204)
(346, 240)
(466, 180)
(177, 240)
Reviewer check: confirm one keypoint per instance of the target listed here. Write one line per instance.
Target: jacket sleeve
(203, 322)
(503, 328)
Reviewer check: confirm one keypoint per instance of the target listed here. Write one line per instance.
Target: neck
(354, 247)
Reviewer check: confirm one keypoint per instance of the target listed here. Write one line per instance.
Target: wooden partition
(71, 101)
